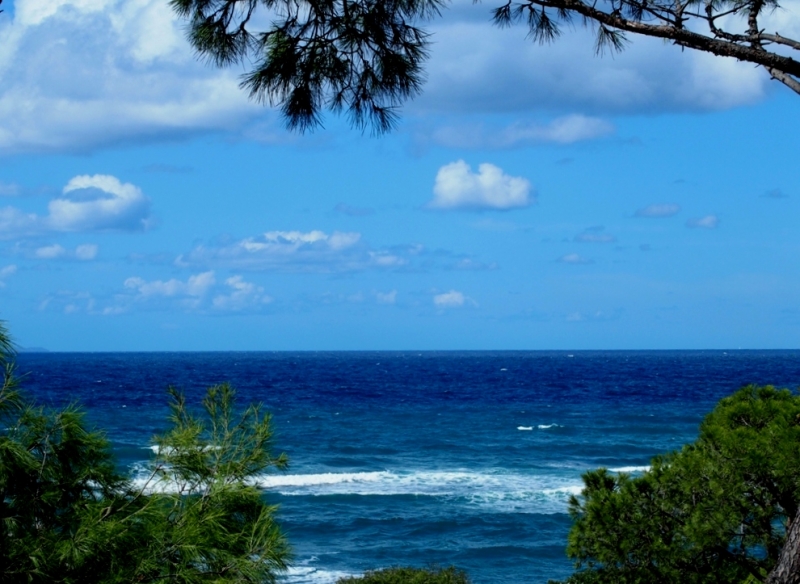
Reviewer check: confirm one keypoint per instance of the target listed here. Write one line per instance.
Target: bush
(404, 575)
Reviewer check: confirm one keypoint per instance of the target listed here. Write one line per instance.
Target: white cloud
(457, 187)
(574, 258)
(243, 295)
(386, 260)
(195, 286)
(87, 251)
(198, 293)
(318, 251)
(659, 210)
(88, 203)
(14, 223)
(75, 74)
(562, 130)
(295, 251)
(478, 68)
(83, 252)
(596, 316)
(78, 74)
(50, 252)
(452, 299)
(102, 202)
(386, 297)
(707, 222)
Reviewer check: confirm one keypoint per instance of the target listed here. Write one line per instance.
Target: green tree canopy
(68, 516)
(366, 57)
(716, 511)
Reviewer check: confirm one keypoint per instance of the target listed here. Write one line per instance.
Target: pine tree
(68, 516)
(366, 57)
(716, 511)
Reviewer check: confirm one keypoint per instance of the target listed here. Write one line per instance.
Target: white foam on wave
(630, 469)
(499, 490)
(311, 575)
(525, 428)
(328, 478)
(568, 490)
(548, 426)
(156, 449)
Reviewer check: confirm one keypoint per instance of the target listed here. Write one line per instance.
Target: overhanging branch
(782, 68)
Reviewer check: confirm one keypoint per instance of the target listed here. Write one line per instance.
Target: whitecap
(524, 427)
(630, 469)
(548, 426)
(496, 489)
(311, 575)
(328, 478)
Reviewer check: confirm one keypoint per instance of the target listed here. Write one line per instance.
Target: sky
(532, 197)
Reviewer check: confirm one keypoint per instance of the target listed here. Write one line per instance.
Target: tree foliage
(362, 56)
(716, 511)
(406, 575)
(68, 516)
(366, 57)
(726, 28)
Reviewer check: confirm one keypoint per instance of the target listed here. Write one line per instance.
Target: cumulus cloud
(318, 251)
(659, 210)
(84, 252)
(457, 187)
(78, 74)
(75, 74)
(198, 293)
(88, 203)
(50, 252)
(242, 295)
(99, 202)
(195, 286)
(476, 67)
(309, 251)
(562, 130)
(707, 222)
(574, 258)
(452, 299)
(290, 251)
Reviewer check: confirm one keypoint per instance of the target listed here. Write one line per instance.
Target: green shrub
(68, 517)
(406, 575)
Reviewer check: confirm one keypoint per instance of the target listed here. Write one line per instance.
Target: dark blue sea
(433, 458)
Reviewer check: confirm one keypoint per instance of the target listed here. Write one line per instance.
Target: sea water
(431, 458)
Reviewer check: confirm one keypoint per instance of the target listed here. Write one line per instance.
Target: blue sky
(532, 198)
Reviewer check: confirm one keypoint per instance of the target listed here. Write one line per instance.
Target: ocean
(424, 458)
